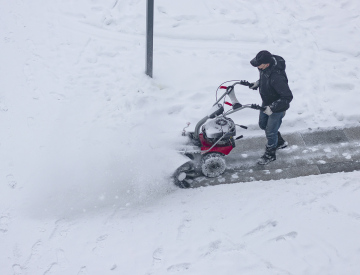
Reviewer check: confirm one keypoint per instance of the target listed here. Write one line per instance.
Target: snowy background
(88, 142)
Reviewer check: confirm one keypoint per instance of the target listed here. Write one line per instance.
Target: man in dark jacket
(276, 97)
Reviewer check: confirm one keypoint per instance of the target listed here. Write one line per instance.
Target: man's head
(262, 60)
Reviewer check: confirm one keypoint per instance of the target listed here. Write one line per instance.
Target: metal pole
(149, 36)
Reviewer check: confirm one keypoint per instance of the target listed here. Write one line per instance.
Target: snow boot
(269, 156)
(281, 142)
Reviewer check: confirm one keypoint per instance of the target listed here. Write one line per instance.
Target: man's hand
(254, 85)
(268, 111)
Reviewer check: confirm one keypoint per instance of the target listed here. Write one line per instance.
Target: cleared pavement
(312, 152)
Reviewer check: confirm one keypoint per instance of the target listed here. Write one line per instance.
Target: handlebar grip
(245, 83)
(257, 107)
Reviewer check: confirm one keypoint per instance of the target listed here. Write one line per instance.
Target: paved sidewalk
(309, 153)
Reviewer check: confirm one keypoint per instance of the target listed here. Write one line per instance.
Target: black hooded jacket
(273, 86)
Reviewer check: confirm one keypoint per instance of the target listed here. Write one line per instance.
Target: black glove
(254, 85)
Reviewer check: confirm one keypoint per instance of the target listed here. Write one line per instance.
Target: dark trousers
(271, 124)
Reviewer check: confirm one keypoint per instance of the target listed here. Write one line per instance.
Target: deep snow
(88, 141)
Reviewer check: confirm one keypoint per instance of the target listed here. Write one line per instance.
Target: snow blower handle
(257, 107)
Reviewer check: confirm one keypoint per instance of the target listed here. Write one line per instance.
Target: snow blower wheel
(213, 165)
(184, 175)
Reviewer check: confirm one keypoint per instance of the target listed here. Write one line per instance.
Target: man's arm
(280, 85)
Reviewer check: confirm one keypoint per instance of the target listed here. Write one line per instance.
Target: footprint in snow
(82, 271)
(355, 216)
(157, 256)
(61, 258)
(178, 267)
(186, 223)
(3, 107)
(4, 223)
(35, 255)
(100, 242)
(330, 209)
(60, 230)
(288, 236)
(11, 181)
(53, 269)
(261, 227)
(101, 238)
(18, 270)
(213, 246)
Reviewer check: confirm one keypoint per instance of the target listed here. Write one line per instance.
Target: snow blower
(213, 138)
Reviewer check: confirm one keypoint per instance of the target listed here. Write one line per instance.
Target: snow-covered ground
(88, 141)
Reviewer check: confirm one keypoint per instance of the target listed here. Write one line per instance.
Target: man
(276, 97)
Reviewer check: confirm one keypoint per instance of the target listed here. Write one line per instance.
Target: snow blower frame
(213, 138)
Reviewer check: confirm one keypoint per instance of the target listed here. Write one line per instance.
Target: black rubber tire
(184, 175)
(213, 165)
